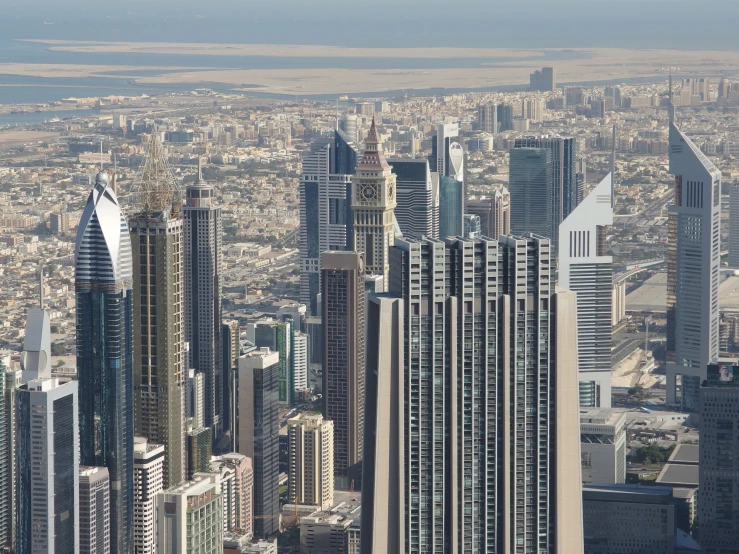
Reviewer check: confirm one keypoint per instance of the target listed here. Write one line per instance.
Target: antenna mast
(158, 191)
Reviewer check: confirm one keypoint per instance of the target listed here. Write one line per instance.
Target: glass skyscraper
(104, 296)
(451, 207)
(530, 186)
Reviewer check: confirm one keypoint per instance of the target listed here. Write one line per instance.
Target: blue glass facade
(451, 205)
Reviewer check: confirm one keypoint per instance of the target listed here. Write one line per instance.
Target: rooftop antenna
(101, 156)
(200, 169)
(613, 168)
(41, 283)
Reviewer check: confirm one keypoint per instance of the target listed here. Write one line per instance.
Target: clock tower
(373, 205)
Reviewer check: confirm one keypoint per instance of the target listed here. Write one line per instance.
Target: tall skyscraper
(417, 209)
(565, 190)
(585, 268)
(343, 297)
(311, 463)
(719, 466)
(148, 471)
(258, 429)
(203, 230)
(693, 260)
(451, 206)
(543, 80)
(47, 449)
(277, 336)
(505, 117)
(105, 308)
(373, 204)
(530, 185)
(487, 118)
(453, 440)
(8, 381)
(159, 355)
(325, 208)
(300, 363)
(447, 153)
(94, 510)
(734, 225)
(243, 470)
(230, 355)
(494, 212)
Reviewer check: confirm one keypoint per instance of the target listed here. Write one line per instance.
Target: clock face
(368, 192)
(390, 191)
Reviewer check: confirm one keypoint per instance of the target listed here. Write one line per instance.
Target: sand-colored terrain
(15, 137)
(600, 64)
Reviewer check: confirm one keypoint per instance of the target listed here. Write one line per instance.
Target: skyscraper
(277, 336)
(203, 230)
(8, 382)
(159, 356)
(258, 431)
(543, 80)
(325, 208)
(148, 482)
(447, 154)
(373, 204)
(94, 510)
(734, 225)
(451, 206)
(311, 462)
(505, 117)
(417, 209)
(47, 448)
(693, 260)
(343, 297)
(530, 186)
(585, 268)
(494, 212)
(104, 299)
(719, 467)
(479, 473)
(230, 355)
(487, 118)
(565, 191)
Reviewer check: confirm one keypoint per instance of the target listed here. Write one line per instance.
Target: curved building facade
(104, 295)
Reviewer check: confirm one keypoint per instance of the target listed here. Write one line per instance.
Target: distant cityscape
(501, 322)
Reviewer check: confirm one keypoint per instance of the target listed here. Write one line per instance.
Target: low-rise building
(603, 445)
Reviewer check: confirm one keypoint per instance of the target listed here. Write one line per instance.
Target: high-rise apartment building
(373, 205)
(734, 225)
(417, 209)
(258, 430)
(105, 329)
(586, 268)
(325, 208)
(9, 380)
(59, 223)
(277, 336)
(47, 449)
(719, 466)
(190, 517)
(311, 461)
(472, 340)
(94, 506)
(505, 117)
(543, 80)
(300, 362)
(202, 260)
(148, 470)
(487, 118)
(159, 354)
(230, 354)
(243, 485)
(533, 109)
(343, 297)
(564, 193)
(693, 260)
(494, 212)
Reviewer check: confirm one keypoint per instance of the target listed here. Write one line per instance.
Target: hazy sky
(687, 24)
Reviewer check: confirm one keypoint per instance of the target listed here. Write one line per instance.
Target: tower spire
(613, 167)
(41, 283)
(200, 169)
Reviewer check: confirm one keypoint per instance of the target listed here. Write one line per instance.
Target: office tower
(159, 355)
(734, 225)
(311, 465)
(230, 355)
(586, 268)
(343, 296)
(300, 363)
(697, 87)
(148, 471)
(487, 118)
(693, 258)
(59, 223)
(603, 445)
(258, 429)
(615, 93)
(243, 471)
(533, 109)
(471, 226)
(47, 448)
(199, 443)
(505, 117)
(543, 80)
(326, 218)
(719, 467)
(417, 209)
(9, 380)
(203, 230)
(365, 108)
(563, 194)
(478, 474)
(628, 518)
(94, 510)
(189, 517)
(373, 204)
(277, 336)
(195, 398)
(348, 125)
(494, 212)
(530, 185)
(104, 303)
(447, 154)
(574, 96)
(451, 206)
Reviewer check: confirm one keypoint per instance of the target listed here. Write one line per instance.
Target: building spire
(41, 283)
(613, 167)
(373, 155)
(200, 169)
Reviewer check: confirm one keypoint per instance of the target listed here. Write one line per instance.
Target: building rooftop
(602, 416)
(650, 297)
(679, 475)
(685, 454)
(627, 493)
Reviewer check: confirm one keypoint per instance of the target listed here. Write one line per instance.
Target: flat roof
(685, 454)
(627, 493)
(728, 293)
(602, 416)
(679, 475)
(650, 297)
